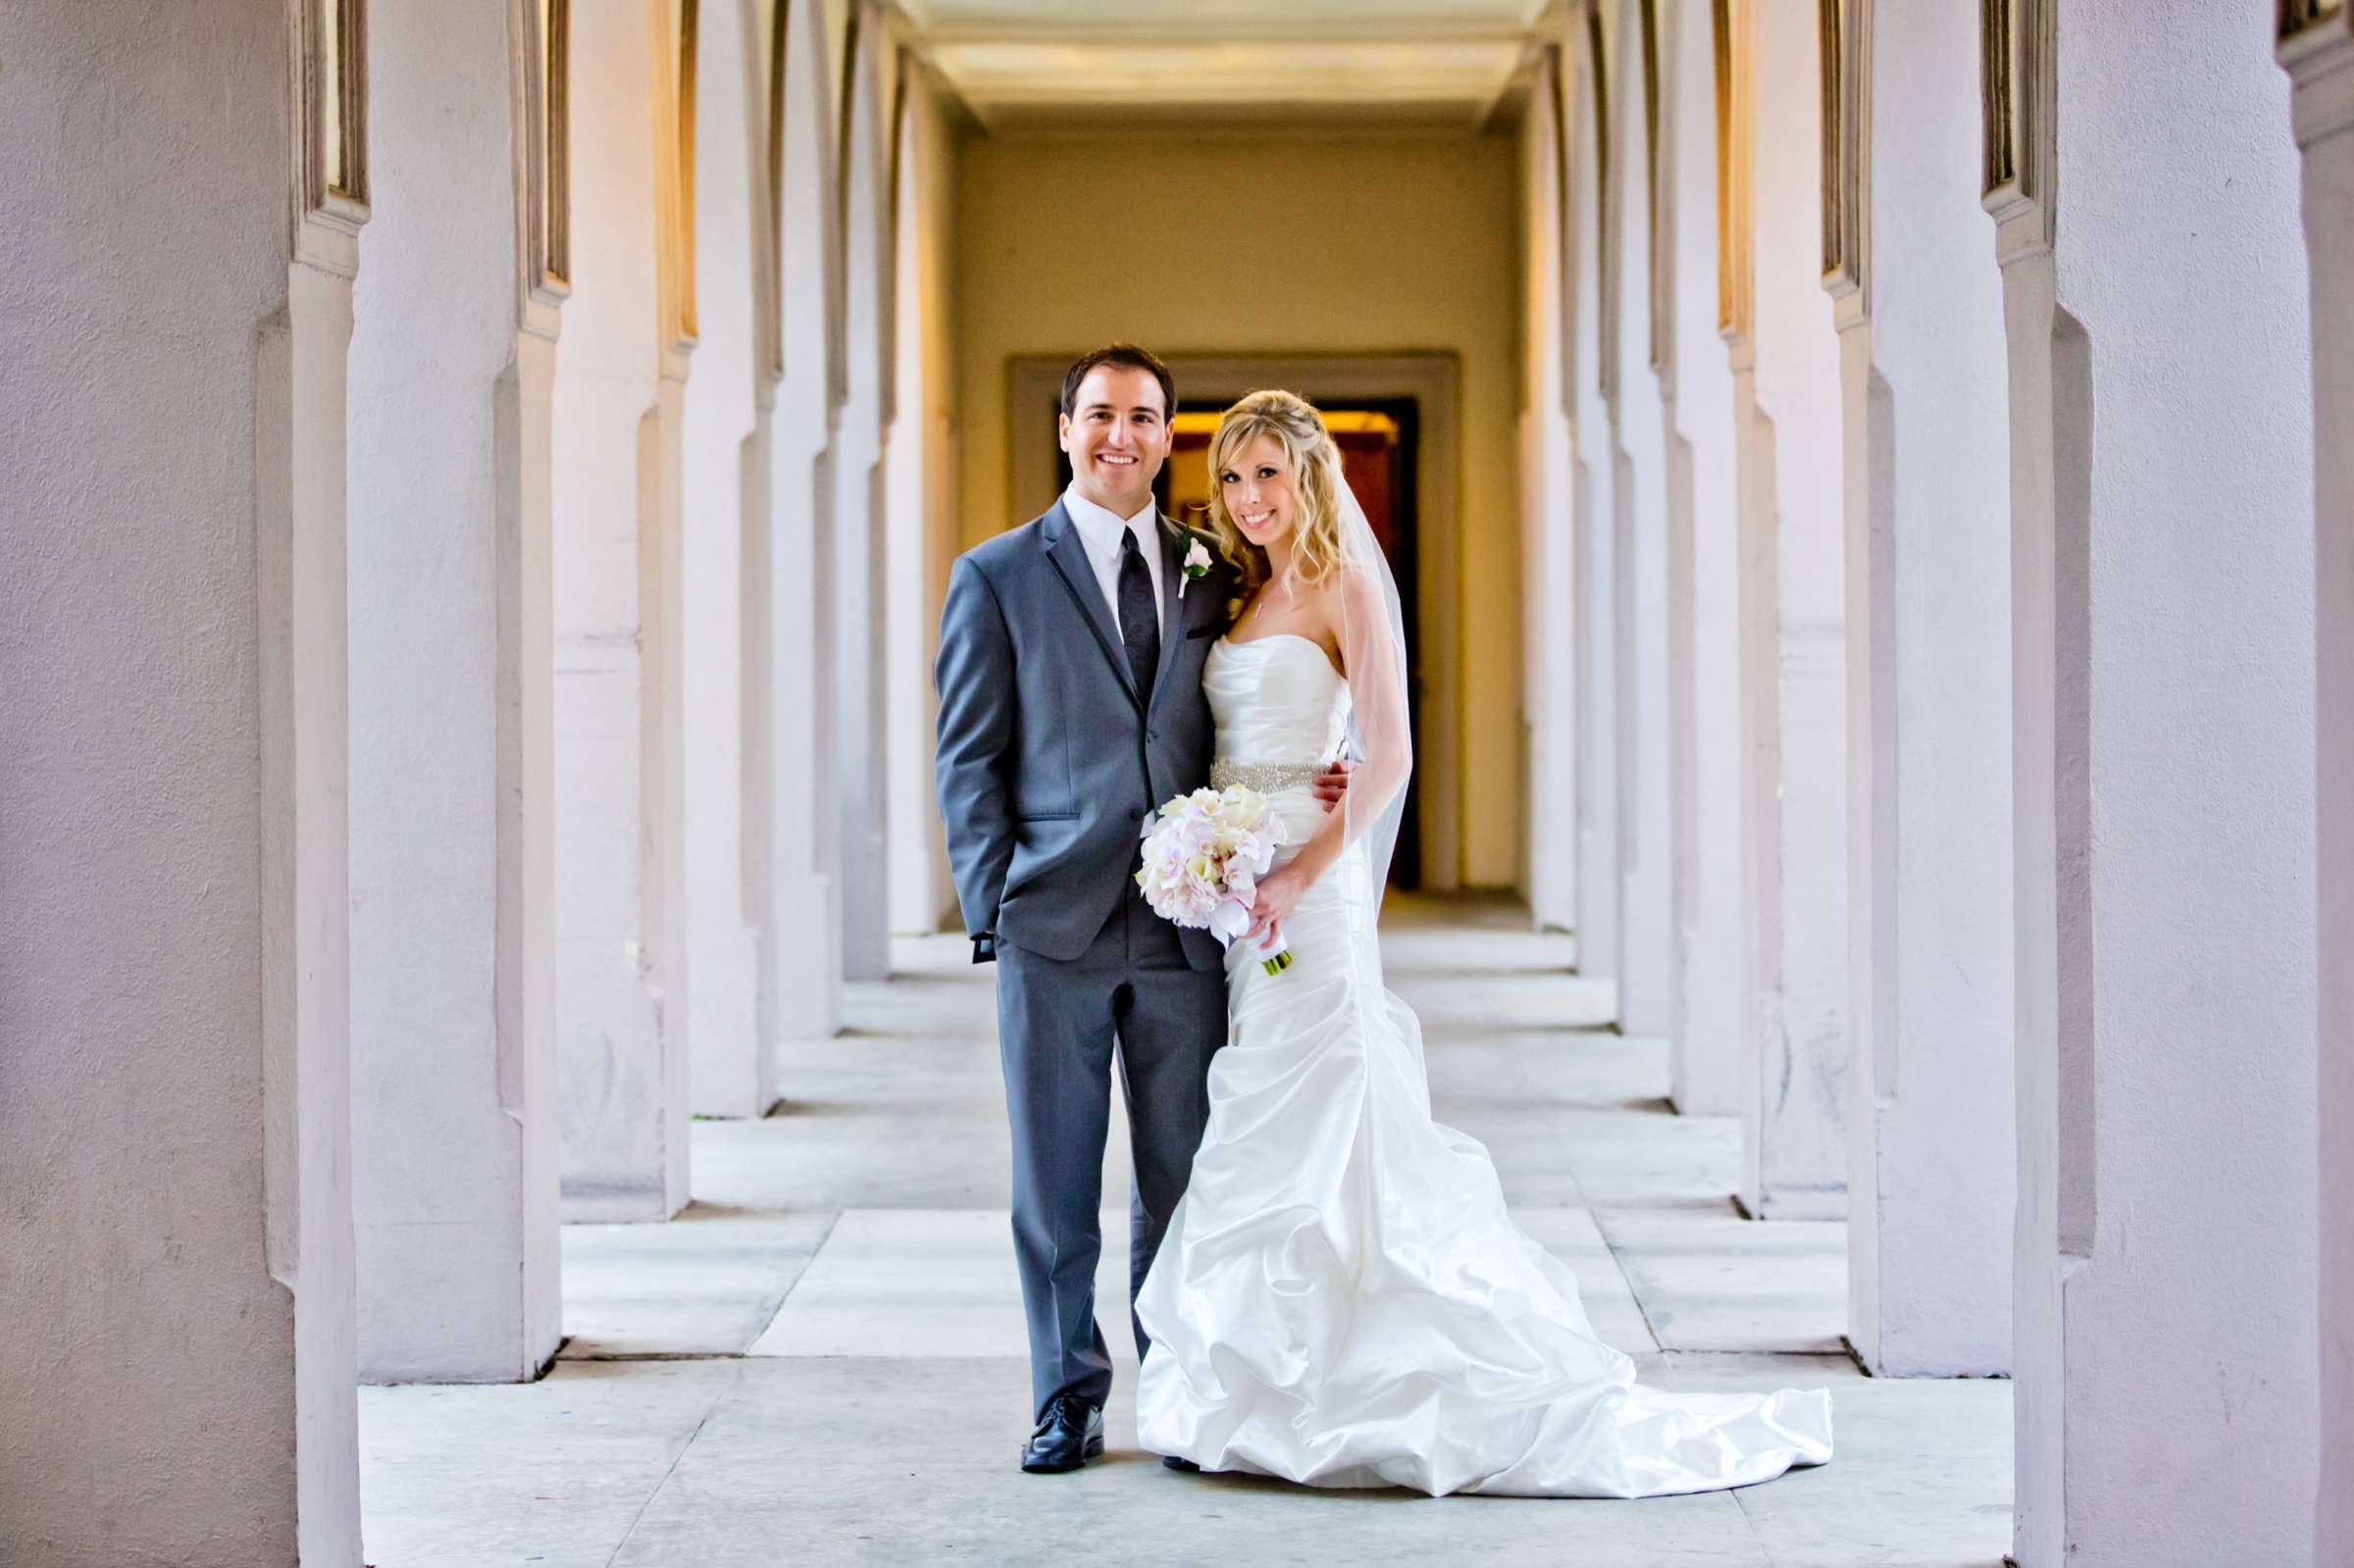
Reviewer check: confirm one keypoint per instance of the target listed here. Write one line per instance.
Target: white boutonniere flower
(1197, 564)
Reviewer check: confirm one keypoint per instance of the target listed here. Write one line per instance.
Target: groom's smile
(1117, 436)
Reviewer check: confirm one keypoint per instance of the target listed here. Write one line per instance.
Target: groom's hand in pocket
(1332, 785)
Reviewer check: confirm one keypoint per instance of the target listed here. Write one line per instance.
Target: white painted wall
(453, 1178)
(1705, 1041)
(2163, 579)
(624, 1115)
(1594, 532)
(1793, 1114)
(174, 1096)
(2323, 63)
(1928, 443)
(1549, 602)
(1639, 551)
(731, 1070)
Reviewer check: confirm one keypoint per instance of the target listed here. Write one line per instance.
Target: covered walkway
(821, 1361)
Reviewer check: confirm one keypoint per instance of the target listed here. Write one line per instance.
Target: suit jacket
(1048, 763)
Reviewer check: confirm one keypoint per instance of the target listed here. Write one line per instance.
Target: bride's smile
(1258, 491)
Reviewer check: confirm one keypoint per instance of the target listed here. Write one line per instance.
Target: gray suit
(1048, 763)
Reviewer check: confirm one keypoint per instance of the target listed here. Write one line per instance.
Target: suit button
(1136, 813)
(1152, 735)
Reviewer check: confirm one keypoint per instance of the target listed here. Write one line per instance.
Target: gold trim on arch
(1846, 149)
(334, 37)
(1733, 37)
(1998, 93)
(1647, 19)
(689, 14)
(2014, 55)
(1607, 255)
(548, 95)
(773, 331)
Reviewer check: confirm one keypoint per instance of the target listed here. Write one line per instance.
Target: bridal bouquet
(1203, 855)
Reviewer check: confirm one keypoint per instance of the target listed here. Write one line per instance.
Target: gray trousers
(1056, 1024)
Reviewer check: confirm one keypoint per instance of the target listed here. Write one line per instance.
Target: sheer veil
(1372, 635)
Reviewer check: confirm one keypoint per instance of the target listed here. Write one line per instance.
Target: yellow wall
(1272, 245)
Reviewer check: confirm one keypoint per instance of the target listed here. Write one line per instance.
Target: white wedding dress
(1341, 1298)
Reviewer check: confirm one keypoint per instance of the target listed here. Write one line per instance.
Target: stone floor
(821, 1361)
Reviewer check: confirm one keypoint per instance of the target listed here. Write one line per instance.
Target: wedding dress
(1341, 1298)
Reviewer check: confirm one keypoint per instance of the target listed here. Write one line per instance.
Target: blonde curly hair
(1319, 547)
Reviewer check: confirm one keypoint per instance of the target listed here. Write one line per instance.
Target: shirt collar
(1102, 527)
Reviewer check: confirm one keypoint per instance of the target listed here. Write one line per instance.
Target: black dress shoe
(1176, 1463)
(1071, 1434)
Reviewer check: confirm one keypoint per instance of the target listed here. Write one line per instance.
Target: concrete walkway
(821, 1361)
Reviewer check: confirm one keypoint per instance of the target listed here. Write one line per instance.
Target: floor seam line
(1751, 1520)
(622, 1544)
(1612, 1248)
(768, 1319)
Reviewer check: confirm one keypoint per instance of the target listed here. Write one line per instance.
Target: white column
(1548, 605)
(1919, 306)
(921, 532)
(2162, 657)
(800, 972)
(861, 500)
(1593, 530)
(1786, 410)
(2320, 61)
(616, 404)
(731, 1070)
(175, 1133)
(1704, 1040)
(1639, 552)
(454, 1168)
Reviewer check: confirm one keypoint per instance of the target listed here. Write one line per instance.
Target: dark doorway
(1379, 439)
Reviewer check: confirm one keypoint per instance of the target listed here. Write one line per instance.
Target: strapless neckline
(1285, 637)
(1275, 699)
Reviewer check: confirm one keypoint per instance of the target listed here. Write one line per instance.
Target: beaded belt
(1267, 778)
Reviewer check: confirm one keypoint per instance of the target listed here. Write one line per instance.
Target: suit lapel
(1068, 552)
(1172, 608)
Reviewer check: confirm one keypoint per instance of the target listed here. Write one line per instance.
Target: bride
(1341, 1299)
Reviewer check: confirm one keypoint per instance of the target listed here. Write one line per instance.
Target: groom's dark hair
(1128, 356)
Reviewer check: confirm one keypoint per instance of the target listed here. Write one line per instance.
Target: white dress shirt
(1100, 530)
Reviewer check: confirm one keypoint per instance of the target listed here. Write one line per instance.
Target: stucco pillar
(1918, 306)
(732, 1071)
(454, 1157)
(176, 1092)
(921, 528)
(618, 393)
(2320, 58)
(800, 937)
(1696, 414)
(861, 502)
(1594, 525)
(1792, 617)
(1549, 601)
(1639, 548)
(2163, 659)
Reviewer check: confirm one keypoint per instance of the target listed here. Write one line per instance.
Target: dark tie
(1140, 617)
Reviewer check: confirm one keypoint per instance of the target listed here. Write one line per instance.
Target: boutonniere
(1196, 562)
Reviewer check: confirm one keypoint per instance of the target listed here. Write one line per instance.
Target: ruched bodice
(1277, 699)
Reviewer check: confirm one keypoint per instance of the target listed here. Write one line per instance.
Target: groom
(1070, 708)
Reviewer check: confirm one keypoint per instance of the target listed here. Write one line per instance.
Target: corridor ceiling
(1428, 62)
